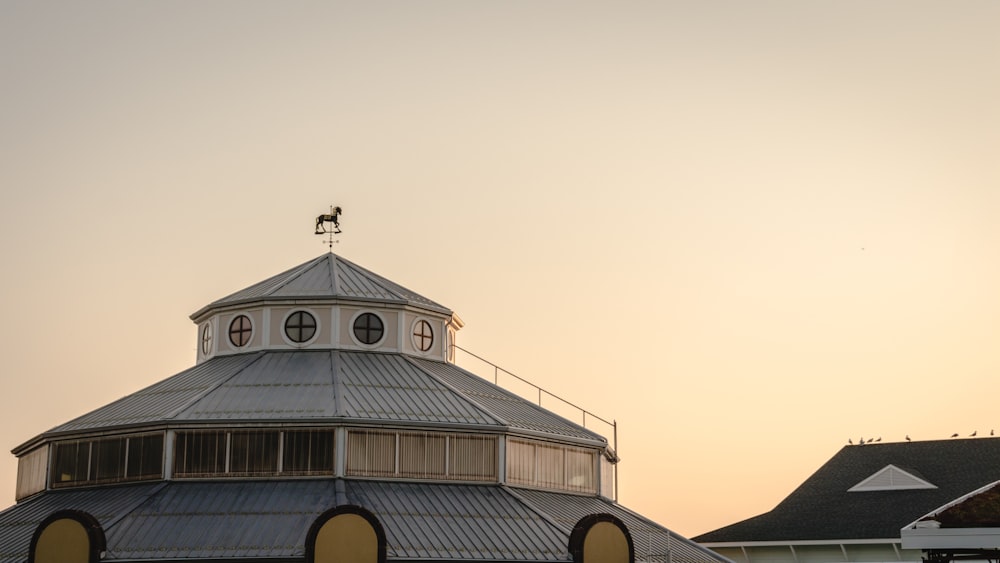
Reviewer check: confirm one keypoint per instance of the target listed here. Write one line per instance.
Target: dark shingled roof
(823, 509)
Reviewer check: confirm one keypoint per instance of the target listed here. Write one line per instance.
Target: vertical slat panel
(31, 471)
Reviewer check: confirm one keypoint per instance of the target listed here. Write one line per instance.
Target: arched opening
(601, 538)
(67, 536)
(346, 534)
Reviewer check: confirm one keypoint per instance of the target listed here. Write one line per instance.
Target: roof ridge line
(338, 384)
(334, 278)
(534, 508)
(464, 396)
(194, 400)
(295, 275)
(135, 506)
(381, 281)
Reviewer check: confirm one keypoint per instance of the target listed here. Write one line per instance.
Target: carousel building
(325, 420)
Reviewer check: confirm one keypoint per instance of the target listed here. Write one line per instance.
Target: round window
(240, 331)
(368, 328)
(300, 327)
(206, 339)
(423, 335)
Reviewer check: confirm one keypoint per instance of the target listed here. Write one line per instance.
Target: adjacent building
(854, 507)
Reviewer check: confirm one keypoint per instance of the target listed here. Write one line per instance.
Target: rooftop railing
(537, 393)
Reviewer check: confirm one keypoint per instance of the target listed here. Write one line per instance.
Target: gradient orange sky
(748, 231)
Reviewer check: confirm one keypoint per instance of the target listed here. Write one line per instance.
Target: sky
(745, 231)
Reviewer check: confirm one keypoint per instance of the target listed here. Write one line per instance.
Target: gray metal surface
(516, 411)
(18, 523)
(304, 386)
(459, 522)
(327, 276)
(226, 520)
(652, 542)
(270, 519)
(387, 387)
(279, 385)
(164, 400)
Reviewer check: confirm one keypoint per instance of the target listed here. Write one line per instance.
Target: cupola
(327, 303)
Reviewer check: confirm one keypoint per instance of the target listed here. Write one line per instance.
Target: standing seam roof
(327, 276)
(269, 519)
(278, 385)
(651, 541)
(515, 410)
(163, 400)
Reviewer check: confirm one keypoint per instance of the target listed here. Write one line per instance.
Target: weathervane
(329, 218)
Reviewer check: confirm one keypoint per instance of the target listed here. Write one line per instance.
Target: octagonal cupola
(326, 303)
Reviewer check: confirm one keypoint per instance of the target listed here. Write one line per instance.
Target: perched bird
(869, 441)
(955, 435)
(973, 435)
(907, 437)
(850, 442)
(991, 432)
(879, 439)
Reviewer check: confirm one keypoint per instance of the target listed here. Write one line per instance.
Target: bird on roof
(869, 441)
(849, 442)
(973, 435)
(879, 439)
(991, 432)
(907, 437)
(955, 435)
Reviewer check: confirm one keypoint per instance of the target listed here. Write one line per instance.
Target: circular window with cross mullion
(368, 328)
(240, 331)
(300, 327)
(206, 339)
(422, 335)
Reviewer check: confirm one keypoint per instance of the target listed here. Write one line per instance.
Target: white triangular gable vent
(891, 478)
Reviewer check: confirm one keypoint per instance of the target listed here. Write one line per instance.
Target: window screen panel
(549, 460)
(308, 452)
(422, 455)
(580, 468)
(107, 460)
(200, 454)
(520, 462)
(371, 454)
(31, 472)
(145, 457)
(253, 453)
(473, 458)
(71, 463)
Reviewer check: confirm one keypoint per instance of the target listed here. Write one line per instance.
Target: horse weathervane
(331, 217)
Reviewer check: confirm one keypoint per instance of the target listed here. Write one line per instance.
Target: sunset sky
(747, 231)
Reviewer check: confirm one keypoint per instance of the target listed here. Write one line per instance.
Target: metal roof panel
(18, 523)
(270, 519)
(465, 522)
(281, 385)
(387, 387)
(651, 541)
(161, 401)
(327, 276)
(515, 410)
(197, 520)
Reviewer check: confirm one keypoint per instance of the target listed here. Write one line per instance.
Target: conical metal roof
(326, 277)
(329, 386)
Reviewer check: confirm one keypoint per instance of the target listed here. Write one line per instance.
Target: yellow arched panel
(605, 543)
(346, 538)
(63, 541)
